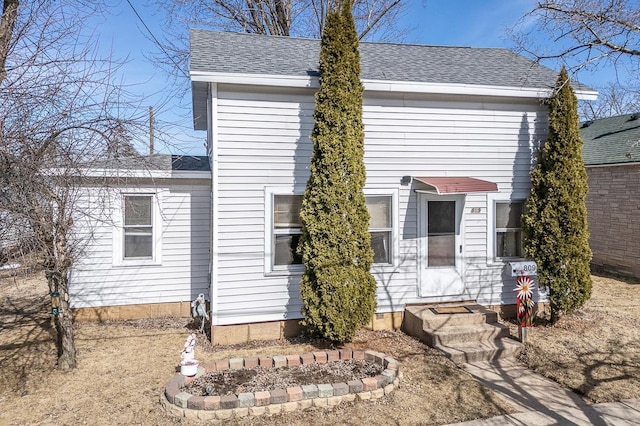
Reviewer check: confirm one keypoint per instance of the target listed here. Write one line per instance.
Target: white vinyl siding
(182, 217)
(263, 141)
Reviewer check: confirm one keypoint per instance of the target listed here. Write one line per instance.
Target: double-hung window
(381, 227)
(138, 227)
(287, 228)
(508, 229)
(283, 219)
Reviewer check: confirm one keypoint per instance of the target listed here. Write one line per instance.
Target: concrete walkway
(544, 402)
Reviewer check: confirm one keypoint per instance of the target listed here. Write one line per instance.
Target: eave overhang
(386, 86)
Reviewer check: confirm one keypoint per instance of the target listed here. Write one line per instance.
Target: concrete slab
(615, 413)
(608, 414)
(522, 388)
(634, 404)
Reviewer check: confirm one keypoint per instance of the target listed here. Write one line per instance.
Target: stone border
(277, 401)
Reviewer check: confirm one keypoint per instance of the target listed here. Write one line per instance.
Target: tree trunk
(7, 23)
(65, 341)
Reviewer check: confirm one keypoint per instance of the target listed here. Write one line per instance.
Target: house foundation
(132, 312)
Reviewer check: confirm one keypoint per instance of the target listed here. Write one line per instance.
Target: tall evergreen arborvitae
(556, 233)
(337, 289)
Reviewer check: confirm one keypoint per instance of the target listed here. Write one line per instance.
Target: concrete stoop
(472, 336)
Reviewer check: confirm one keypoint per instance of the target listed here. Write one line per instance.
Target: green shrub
(337, 289)
(555, 221)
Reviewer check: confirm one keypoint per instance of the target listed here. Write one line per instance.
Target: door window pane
(441, 233)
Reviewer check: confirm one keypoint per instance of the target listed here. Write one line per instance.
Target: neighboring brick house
(612, 157)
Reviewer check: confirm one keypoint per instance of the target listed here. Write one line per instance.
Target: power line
(156, 40)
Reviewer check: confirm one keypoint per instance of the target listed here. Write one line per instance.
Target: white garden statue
(188, 354)
(189, 365)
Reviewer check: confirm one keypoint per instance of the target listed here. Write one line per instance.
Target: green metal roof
(613, 140)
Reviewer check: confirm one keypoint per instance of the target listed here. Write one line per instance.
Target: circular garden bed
(254, 386)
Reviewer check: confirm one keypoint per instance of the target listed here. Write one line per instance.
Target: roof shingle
(224, 52)
(613, 140)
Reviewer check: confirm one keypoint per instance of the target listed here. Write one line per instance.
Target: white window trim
(269, 268)
(492, 199)
(118, 230)
(395, 241)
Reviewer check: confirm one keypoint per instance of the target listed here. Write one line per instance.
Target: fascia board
(149, 174)
(386, 86)
(593, 166)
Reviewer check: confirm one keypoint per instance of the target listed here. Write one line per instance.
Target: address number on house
(527, 268)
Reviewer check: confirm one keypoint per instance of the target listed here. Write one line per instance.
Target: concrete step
(433, 321)
(489, 350)
(465, 333)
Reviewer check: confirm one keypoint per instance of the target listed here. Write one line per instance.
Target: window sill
(295, 271)
(382, 265)
(136, 262)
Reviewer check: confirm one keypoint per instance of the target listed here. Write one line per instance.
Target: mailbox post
(523, 270)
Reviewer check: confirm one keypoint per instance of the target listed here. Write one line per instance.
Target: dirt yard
(595, 352)
(124, 366)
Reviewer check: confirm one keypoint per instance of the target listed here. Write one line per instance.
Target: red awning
(457, 185)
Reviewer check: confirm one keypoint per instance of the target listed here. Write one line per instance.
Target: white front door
(440, 244)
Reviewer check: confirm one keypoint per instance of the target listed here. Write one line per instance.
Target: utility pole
(150, 130)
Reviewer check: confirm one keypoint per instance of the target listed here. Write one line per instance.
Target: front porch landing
(471, 335)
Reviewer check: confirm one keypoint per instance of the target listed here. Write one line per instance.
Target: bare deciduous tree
(613, 99)
(59, 113)
(375, 20)
(583, 33)
(588, 35)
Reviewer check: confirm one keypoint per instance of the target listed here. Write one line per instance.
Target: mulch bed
(266, 379)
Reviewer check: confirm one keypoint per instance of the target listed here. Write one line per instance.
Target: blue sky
(437, 22)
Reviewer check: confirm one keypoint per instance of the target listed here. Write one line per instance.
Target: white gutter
(386, 86)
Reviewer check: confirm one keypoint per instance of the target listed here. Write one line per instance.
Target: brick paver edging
(280, 400)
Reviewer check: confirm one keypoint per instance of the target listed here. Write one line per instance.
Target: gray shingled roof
(613, 140)
(225, 52)
(158, 162)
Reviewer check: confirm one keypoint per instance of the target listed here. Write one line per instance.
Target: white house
(449, 138)
(147, 239)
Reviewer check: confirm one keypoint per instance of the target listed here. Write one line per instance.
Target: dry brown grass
(123, 367)
(595, 352)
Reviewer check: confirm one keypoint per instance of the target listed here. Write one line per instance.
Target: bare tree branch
(583, 32)
(375, 20)
(60, 112)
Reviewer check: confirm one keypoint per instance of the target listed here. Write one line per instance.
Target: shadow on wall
(301, 172)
